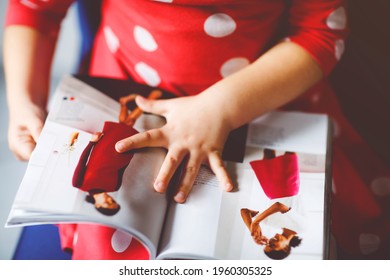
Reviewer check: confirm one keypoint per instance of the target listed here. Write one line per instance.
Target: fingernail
(119, 146)
(180, 197)
(228, 187)
(159, 186)
(140, 98)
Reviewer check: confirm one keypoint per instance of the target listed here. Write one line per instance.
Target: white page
(81, 106)
(292, 131)
(209, 224)
(46, 193)
(240, 245)
(190, 229)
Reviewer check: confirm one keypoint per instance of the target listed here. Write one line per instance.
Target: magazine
(281, 185)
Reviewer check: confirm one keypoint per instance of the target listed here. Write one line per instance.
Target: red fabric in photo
(279, 176)
(106, 166)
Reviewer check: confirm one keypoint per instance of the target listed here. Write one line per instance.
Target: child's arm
(27, 60)
(29, 43)
(197, 126)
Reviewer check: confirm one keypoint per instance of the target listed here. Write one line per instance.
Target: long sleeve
(45, 16)
(320, 27)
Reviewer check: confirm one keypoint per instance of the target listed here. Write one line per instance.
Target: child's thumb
(35, 130)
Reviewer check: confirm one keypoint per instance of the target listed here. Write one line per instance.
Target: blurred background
(11, 170)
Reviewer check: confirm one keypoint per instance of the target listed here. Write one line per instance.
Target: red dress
(185, 46)
(278, 176)
(101, 167)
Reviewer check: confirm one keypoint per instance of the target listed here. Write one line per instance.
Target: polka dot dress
(185, 46)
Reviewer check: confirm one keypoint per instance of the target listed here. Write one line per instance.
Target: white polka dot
(30, 4)
(336, 129)
(144, 39)
(337, 19)
(315, 97)
(233, 65)
(381, 186)
(120, 241)
(75, 238)
(369, 243)
(148, 74)
(219, 25)
(334, 189)
(111, 39)
(339, 47)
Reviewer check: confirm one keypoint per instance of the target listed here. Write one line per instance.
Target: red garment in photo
(104, 168)
(279, 176)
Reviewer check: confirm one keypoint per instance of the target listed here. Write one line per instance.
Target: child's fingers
(150, 138)
(96, 136)
(189, 174)
(35, 129)
(219, 169)
(22, 146)
(171, 163)
(158, 107)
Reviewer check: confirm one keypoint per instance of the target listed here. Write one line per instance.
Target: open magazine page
(211, 224)
(77, 105)
(306, 216)
(191, 228)
(47, 193)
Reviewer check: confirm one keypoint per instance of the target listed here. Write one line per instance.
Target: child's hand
(25, 125)
(195, 132)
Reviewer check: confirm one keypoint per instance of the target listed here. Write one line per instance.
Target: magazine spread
(280, 195)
